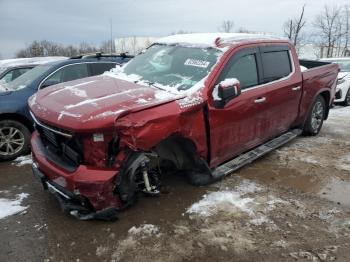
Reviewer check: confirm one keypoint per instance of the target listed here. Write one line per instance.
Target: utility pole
(111, 27)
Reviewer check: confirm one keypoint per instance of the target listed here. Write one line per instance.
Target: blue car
(15, 121)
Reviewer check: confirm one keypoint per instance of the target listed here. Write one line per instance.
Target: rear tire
(14, 139)
(316, 117)
(347, 99)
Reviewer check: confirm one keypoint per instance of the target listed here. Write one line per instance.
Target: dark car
(15, 121)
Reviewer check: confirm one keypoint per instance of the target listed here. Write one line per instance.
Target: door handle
(296, 88)
(260, 100)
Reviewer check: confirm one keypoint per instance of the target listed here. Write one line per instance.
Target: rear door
(281, 87)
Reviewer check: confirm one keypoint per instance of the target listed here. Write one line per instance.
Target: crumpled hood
(94, 103)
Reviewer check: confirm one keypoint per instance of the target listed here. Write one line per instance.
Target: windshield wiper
(150, 83)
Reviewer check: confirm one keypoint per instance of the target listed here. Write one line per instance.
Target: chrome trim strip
(49, 128)
(52, 188)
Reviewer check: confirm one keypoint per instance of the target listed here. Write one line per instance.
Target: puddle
(331, 188)
(284, 177)
(336, 190)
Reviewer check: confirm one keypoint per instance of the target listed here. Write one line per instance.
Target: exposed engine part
(145, 178)
(150, 189)
(140, 174)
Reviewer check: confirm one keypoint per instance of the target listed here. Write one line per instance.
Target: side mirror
(49, 83)
(227, 90)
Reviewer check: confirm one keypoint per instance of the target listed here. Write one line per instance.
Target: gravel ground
(293, 204)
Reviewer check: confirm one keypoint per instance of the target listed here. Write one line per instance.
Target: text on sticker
(197, 63)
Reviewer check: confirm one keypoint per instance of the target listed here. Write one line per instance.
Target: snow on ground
(9, 207)
(146, 230)
(244, 198)
(344, 163)
(336, 123)
(23, 160)
(335, 131)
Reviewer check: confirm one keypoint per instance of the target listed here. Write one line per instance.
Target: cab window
(276, 65)
(244, 69)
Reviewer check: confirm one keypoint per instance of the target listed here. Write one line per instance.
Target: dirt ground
(292, 205)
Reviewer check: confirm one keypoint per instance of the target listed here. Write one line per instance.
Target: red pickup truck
(200, 104)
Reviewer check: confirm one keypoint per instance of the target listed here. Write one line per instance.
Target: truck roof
(216, 40)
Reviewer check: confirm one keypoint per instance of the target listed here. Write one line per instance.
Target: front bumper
(341, 92)
(86, 189)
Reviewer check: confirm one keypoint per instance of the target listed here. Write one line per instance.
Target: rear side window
(245, 70)
(67, 73)
(276, 65)
(100, 68)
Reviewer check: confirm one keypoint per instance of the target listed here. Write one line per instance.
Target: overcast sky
(73, 21)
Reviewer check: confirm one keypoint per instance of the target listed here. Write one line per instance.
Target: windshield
(174, 67)
(27, 78)
(344, 65)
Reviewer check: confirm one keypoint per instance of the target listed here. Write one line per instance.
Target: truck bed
(319, 77)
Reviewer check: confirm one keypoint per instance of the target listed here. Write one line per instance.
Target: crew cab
(16, 123)
(198, 104)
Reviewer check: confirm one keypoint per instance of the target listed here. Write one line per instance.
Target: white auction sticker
(98, 137)
(197, 63)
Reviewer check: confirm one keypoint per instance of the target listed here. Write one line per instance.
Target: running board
(247, 158)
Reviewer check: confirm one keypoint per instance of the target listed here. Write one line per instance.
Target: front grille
(67, 148)
(50, 136)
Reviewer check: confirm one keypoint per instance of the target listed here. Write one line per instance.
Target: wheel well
(17, 117)
(182, 152)
(326, 96)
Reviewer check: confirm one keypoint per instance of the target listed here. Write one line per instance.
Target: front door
(235, 128)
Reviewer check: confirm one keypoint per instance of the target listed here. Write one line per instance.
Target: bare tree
(107, 47)
(293, 26)
(180, 32)
(346, 21)
(327, 24)
(226, 26)
(244, 30)
(49, 48)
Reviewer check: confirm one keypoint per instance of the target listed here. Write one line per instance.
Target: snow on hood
(96, 101)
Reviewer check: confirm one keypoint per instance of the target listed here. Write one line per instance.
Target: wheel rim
(11, 141)
(317, 116)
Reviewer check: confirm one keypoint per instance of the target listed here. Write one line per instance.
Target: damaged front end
(94, 189)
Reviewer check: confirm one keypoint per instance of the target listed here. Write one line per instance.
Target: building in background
(133, 45)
